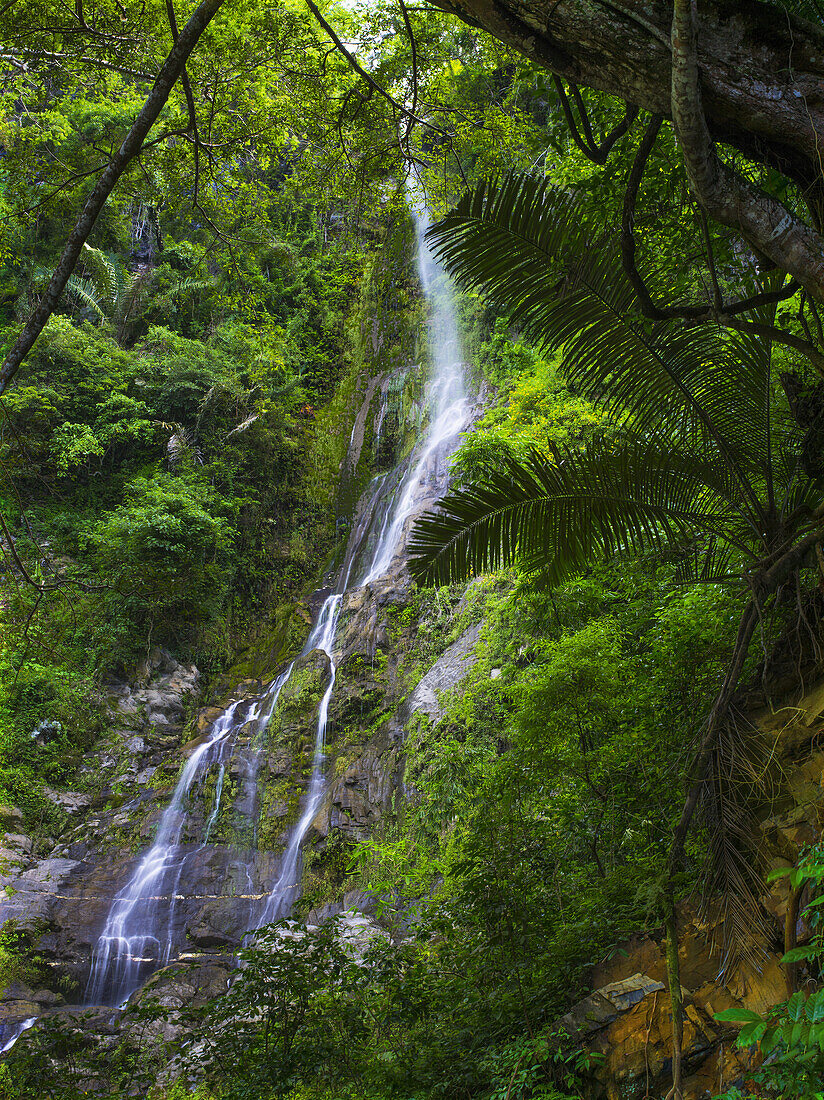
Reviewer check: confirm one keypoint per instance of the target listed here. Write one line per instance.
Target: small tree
(705, 463)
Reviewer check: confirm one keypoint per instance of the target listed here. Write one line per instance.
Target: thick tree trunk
(761, 67)
(724, 194)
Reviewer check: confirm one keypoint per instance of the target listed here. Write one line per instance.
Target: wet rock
(11, 818)
(71, 802)
(361, 795)
(16, 1011)
(207, 717)
(446, 673)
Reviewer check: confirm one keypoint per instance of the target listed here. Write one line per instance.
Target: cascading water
(9, 1041)
(282, 894)
(425, 476)
(448, 413)
(140, 930)
(139, 933)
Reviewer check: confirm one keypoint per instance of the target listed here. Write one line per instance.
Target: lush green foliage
(790, 1038)
(170, 457)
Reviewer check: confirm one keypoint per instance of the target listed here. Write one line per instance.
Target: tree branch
(764, 222)
(598, 154)
(131, 146)
(413, 46)
(724, 313)
(356, 67)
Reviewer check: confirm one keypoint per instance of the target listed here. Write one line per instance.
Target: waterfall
(447, 417)
(283, 893)
(139, 933)
(17, 1031)
(425, 475)
(140, 930)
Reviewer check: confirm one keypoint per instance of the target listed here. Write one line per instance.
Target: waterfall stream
(9, 1041)
(139, 932)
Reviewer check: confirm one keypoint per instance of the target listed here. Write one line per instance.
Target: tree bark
(131, 146)
(761, 67)
(763, 221)
(676, 999)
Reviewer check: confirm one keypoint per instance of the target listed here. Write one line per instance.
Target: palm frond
(706, 562)
(731, 883)
(132, 294)
(106, 275)
(555, 514)
(535, 252)
(84, 291)
(190, 285)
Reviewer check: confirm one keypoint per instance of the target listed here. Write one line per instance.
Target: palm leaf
(555, 514)
(132, 294)
(106, 277)
(185, 287)
(708, 561)
(536, 253)
(84, 291)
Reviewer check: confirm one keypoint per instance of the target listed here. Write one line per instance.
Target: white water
(18, 1031)
(447, 418)
(427, 475)
(283, 892)
(139, 934)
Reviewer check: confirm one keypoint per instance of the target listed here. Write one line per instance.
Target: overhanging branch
(762, 220)
(131, 146)
(723, 313)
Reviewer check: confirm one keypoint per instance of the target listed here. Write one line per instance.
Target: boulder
(11, 818)
(71, 802)
(629, 1023)
(446, 673)
(17, 840)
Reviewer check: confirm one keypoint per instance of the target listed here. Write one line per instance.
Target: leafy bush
(789, 1039)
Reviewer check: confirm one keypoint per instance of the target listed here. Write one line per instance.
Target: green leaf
(814, 1009)
(750, 1034)
(769, 1040)
(795, 1006)
(738, 1016)
(797, 1033)
(779, 872)
(800, 954)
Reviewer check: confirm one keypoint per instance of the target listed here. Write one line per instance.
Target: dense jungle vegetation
(634, 519)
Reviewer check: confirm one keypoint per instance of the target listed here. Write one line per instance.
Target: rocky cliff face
(61, 901)
(233, 846)
(628, 1016)
(235, 818)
